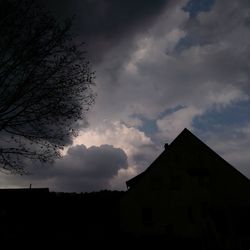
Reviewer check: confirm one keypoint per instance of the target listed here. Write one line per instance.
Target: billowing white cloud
(139, 148)
(171, 125)
(233, 145)
(130, 139)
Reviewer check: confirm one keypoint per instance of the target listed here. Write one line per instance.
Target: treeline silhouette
(37, 215)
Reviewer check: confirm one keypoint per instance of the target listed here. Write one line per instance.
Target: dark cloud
(80, 170)
(102, 24)
(88, 169)
(196, 6)
(218, 25)
(151, 58)
(95, 162)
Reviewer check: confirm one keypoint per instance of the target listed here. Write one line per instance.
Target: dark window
(169, 229)
(175, 182)
(204, 210)
(220, 220)
(190, 214)
(156, 183)
(147, 216)
(203, 181)
(177, 159)
(202, 175)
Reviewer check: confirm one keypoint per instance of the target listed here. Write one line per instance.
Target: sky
(161, 66)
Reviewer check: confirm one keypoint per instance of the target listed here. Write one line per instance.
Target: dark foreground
(39, 215)
(39, 218)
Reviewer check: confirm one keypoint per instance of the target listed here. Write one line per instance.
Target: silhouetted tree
(45, 84)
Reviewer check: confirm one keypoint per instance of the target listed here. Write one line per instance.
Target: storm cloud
(103, 24)
(82, 169)
(160, 66)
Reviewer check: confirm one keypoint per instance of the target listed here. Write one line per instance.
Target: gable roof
(184, 136)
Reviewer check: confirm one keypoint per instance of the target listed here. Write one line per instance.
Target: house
(189, 192)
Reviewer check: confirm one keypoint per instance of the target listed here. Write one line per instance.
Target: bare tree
(45, 84)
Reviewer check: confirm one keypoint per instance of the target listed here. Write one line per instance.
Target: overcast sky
(161, 66)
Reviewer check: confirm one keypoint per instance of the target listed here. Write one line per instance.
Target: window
(156, 183)
(190, 214)
(204, 209)
(175, 182)
(203, 181)
(202, 175)
(147, 216)
(169, 229)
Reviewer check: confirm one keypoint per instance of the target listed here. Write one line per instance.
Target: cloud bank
(160, 66)
(82, 169)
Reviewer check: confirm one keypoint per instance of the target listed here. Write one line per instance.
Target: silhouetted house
(189, 192)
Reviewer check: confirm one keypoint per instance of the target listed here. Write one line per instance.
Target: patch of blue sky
(233, 117)
(149, 126)
(196, 6)
(185, 43)
(193, 7)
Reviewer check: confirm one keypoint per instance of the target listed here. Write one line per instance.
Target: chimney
(166, 146)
